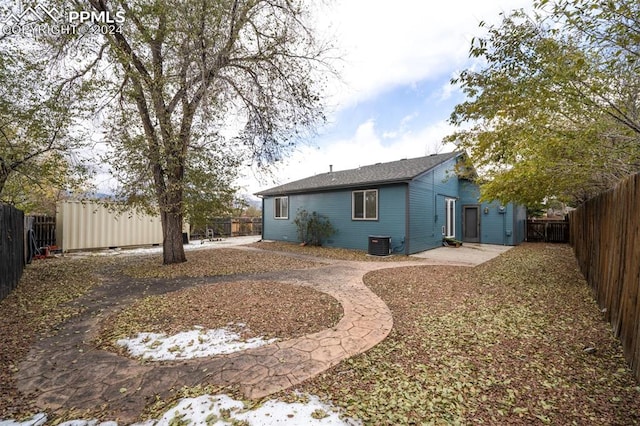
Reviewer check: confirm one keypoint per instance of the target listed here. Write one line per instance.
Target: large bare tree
(196, 88)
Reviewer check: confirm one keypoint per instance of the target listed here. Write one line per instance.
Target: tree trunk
(172, 247)
(3, 181)
(171, 216)
(4, 174)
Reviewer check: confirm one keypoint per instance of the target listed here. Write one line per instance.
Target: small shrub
(313, 228)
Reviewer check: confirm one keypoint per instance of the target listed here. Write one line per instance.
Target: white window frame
(278, 201)
(364, 206)
(450, 218)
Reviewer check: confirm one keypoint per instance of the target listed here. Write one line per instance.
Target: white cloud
(366, 146)
(447, 90)
(385, 44)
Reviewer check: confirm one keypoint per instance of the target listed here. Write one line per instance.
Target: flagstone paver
(66, 371)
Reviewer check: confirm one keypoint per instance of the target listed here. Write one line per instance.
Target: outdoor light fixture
(486, 210)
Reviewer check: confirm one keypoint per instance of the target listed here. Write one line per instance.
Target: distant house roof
(376, 174)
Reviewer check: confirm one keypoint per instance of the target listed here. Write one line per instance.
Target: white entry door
(450, 224)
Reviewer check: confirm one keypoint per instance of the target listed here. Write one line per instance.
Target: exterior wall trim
(407, 218)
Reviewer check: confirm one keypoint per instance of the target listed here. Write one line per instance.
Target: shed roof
(376, 174)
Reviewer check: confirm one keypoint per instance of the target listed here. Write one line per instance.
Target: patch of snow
(37, 420)
(221, 410)
(197, 343)
(41, 418)
(224, 410)
(193, 245)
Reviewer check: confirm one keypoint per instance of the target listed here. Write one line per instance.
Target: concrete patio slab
(468, 254)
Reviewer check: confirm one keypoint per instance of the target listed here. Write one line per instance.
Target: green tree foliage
(313, 228)
(37, 145)
(37, 187)
(194, 89)
(552, 110)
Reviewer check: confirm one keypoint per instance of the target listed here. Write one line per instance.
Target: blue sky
(393, 98)
(394, 111)
(393, 102)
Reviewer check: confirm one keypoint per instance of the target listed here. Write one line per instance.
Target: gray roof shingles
(376, 174)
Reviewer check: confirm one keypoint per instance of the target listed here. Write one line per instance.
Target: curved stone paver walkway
(66, 371)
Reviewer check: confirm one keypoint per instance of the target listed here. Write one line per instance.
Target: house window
(281, 208)
(364, 205)
(450, 217)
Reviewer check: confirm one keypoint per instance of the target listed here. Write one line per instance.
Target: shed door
(471, 224)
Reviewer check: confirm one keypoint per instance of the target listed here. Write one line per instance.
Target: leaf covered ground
(209, 262)
(327, 252)
(269, 309)
(43, 299)
(517, 340)
(49, 292)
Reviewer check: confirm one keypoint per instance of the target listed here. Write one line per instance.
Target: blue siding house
(416, 202)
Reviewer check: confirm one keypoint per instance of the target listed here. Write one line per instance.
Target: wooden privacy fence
(605, 235)
(548, 231)
(11, 248)
(229, 227)
(44, 230)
